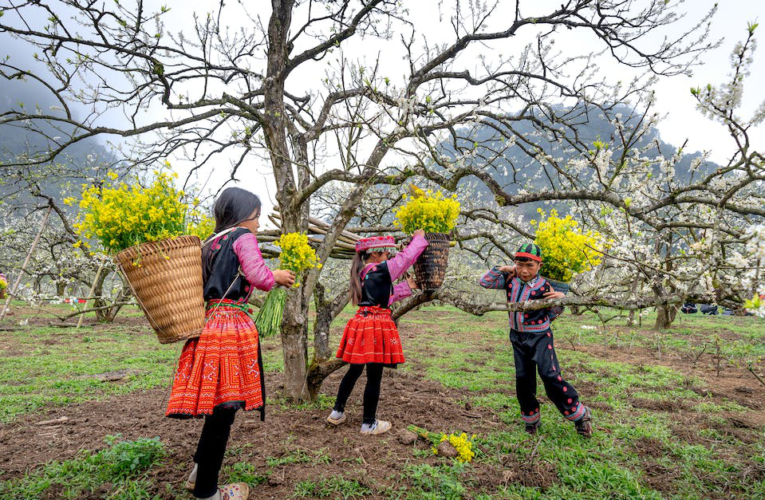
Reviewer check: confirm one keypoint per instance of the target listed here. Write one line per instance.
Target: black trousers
(535, 352)
(371, 392)
(210, 450)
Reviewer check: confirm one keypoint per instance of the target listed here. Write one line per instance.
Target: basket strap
(218, 235)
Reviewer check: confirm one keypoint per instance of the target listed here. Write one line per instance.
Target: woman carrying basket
(222, 371)
(371, 338)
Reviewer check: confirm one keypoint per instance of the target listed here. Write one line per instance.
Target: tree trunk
(295, 349)
(665, 315)
(102, 315)
(631, 318)
(324, 364)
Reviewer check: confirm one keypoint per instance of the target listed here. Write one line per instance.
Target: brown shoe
(533, 428)
(584, 424)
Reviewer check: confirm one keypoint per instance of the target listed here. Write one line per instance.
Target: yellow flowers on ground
(566, 249)
(297, 254)
(462, 443)
(431, 212)
(127, 215)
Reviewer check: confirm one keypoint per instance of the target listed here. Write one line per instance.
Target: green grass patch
(117, 472)
(332, 487)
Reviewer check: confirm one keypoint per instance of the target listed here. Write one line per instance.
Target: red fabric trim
(219, 367)
(375, 242)
(371, 336)
(529, 256)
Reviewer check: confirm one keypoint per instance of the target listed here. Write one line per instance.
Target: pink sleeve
(406, 257)
(253, 266)
(400, 292)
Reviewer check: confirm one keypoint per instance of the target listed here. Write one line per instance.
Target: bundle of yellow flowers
(462, 443)
(297, 255)
(127, 215)
(429, 211)
(3, 286)
(566, 249)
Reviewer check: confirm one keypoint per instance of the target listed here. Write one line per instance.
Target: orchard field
(677, 414)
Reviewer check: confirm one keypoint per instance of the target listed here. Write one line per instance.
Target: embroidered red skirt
(221, 367)
(371, 336)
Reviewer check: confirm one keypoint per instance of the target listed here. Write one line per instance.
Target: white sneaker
(336, 421)
(379, 427)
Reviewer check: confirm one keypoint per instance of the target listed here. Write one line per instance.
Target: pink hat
(376, 244)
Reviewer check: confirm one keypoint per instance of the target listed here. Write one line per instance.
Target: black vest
(221, 269)
(376, 286)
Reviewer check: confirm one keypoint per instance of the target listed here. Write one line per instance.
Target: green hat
(530, 251)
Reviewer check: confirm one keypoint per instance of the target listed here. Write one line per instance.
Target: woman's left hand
(554, 295)
(412, 283)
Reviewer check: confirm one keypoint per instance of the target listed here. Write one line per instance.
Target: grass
(46, 366)
(470, 355)
(332, 487)
(117, 472)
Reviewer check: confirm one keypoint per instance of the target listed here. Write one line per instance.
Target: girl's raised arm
(254, 267)
(406, 257)
(400, 292)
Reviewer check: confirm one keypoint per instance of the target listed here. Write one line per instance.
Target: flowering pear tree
(283, 84)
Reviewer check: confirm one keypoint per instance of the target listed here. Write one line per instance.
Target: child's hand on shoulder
(554, 295)
(508, 269)
(284, 277)
(419, 232)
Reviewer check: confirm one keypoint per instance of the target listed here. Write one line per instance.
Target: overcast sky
(682, 122)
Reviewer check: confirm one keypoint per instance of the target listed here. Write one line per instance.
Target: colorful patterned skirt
(371, 336)
(223, 367)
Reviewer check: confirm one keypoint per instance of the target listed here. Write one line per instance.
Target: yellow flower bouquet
(3, 286)
(154, 235)
(297, 255)
(566, 249)
(429, 211)
(127, 215)
(437, 215)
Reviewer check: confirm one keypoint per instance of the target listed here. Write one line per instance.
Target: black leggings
(371, 392)
(210, 450)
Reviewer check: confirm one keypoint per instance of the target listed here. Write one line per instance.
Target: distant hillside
(73, 165)
(528, 172)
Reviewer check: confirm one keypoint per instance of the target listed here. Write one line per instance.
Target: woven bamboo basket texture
(558, 286)
(166, 278)
(430, 268)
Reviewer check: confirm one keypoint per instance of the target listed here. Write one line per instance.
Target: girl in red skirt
(222, 371)
(371, 338)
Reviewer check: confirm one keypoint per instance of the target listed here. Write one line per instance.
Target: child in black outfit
(532, 339)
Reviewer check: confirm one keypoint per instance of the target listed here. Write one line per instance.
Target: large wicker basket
(166, 279)
(430, 268)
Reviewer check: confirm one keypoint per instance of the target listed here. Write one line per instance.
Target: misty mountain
(515, 170)
(74, 164)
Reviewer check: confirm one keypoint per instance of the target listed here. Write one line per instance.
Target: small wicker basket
(430, 268)
(166, 279)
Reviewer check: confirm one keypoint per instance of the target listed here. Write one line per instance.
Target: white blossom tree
(281, 83)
